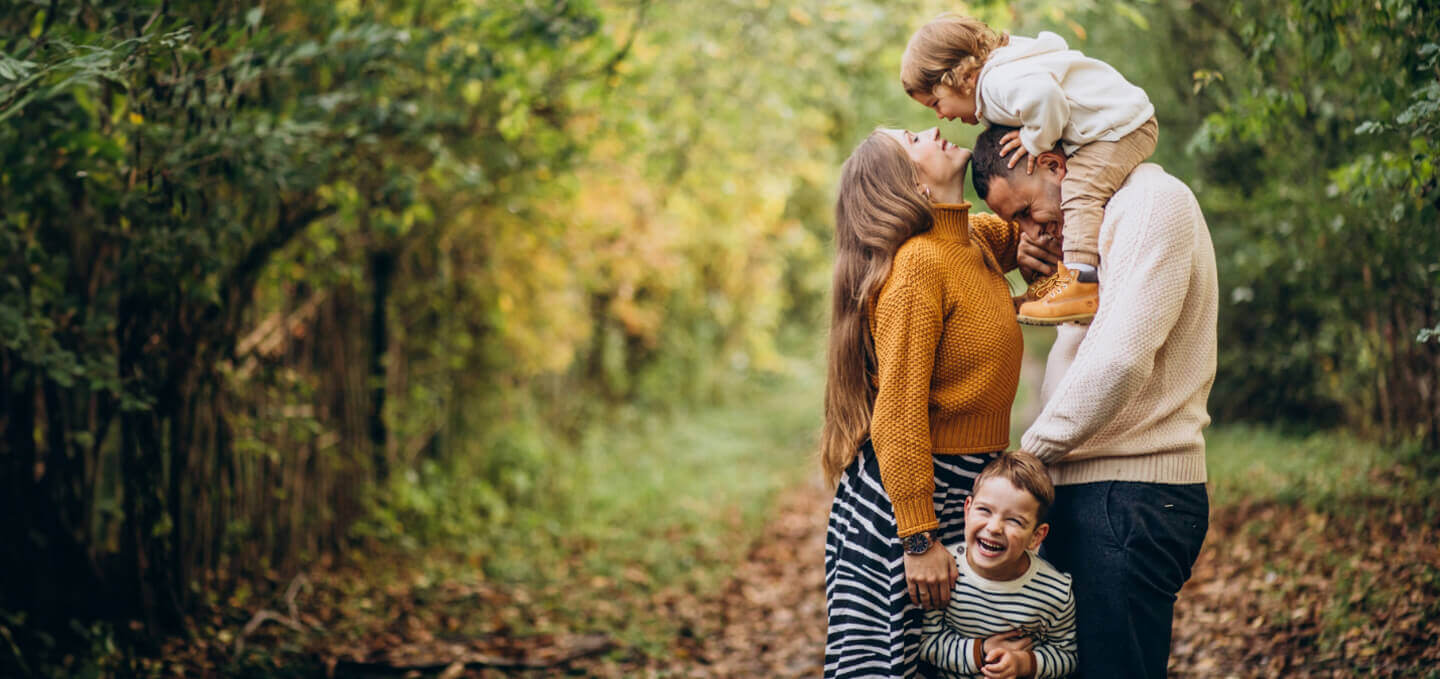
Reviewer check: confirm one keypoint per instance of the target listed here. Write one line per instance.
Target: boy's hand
(1014, 640)
(1011, 142)
(1003, 663)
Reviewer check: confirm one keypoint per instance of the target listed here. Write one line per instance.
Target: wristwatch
(918, 543)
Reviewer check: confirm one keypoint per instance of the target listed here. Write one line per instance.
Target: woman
(923, 363)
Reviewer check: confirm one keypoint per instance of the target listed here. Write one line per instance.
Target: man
(1121, 428)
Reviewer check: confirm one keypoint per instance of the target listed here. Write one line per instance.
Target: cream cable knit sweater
(1131, 406)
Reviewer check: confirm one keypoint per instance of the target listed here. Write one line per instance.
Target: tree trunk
(19, 411)
(382, 274)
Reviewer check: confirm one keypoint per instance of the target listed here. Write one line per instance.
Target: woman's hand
(930, 576)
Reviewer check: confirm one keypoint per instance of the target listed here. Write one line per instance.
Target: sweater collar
(989, 585)
(952, 221)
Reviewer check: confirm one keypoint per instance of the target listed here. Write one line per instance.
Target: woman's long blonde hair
(946, 52)
(879, 207)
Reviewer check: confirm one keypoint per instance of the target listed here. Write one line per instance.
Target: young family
(944, 556)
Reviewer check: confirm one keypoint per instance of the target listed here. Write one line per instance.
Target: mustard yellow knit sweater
(947, 351)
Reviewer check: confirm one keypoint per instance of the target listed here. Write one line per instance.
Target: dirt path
(1261, 603)
(768, 621)
(1237, 617)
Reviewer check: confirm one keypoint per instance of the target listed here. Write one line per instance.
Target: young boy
(1004, 587)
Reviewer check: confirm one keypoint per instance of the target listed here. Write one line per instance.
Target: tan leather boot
(1041, 286)
(1065, 300)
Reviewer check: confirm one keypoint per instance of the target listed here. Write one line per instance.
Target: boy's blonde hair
(1028, 473)
(945, 52)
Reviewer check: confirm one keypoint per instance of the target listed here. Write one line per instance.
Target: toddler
(1105, 125)
(1004, 586)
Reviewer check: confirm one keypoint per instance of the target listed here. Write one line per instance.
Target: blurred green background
(297, 282)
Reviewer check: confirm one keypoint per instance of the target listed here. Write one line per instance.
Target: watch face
(917, 543)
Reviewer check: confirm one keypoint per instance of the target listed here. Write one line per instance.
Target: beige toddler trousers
(1092, 175)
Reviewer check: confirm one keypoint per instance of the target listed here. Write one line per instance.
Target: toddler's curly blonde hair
(946, 51)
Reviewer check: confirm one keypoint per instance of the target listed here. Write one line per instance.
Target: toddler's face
(949, 104)
(1000, 525)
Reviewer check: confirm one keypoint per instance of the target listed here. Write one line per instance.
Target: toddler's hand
(1011, 142)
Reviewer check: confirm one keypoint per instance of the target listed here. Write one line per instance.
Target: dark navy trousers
(1130, 547)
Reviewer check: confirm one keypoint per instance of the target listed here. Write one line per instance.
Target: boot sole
(1057, 320)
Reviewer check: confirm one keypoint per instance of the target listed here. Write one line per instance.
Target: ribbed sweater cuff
(1048, 453)
(914, 515)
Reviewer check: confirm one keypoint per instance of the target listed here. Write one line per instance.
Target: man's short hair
(1028, 473)
(985, 160)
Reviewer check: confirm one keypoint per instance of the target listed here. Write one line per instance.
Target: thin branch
(153, 17)
(264, 615)
(615, 60)
(292, 222)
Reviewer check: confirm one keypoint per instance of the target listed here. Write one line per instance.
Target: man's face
(1033, 201)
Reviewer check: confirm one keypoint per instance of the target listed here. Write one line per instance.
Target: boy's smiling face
(1000, 525)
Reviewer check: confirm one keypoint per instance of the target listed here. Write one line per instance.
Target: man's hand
(1006, 664)
(930, 576)
(1037, 254)
(1011, 142)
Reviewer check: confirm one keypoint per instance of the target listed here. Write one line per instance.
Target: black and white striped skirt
(874, 629)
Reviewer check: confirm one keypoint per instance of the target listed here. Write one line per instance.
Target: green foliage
(1341, 258)
(160, 158)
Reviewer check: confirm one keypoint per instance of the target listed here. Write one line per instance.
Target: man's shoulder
(1149, 180)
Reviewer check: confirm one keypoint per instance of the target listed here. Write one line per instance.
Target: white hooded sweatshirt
(1053, 93)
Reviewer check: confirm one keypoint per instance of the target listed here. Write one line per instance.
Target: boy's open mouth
(989, 548)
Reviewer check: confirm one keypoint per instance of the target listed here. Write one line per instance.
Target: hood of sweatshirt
(1019, 48)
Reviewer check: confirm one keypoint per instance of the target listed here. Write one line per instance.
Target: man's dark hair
(985, 160)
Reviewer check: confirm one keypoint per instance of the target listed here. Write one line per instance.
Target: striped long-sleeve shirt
(1039, 602)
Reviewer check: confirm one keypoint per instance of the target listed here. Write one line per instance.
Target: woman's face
(937, 162)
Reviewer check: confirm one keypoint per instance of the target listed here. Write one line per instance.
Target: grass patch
(655, 504)
(1249, 463)
(640, 493)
